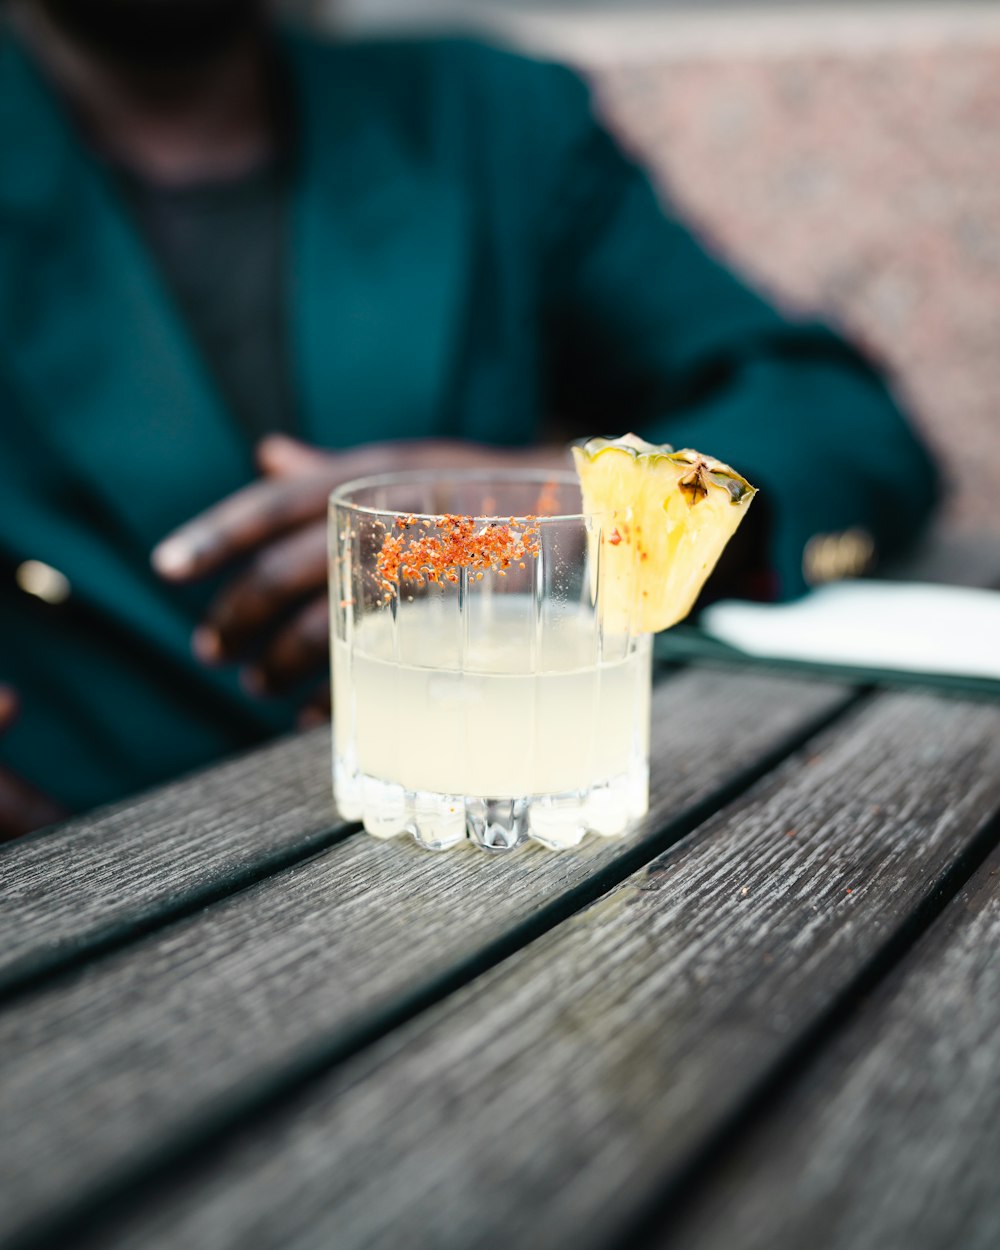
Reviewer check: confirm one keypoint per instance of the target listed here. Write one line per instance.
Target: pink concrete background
(863, 185)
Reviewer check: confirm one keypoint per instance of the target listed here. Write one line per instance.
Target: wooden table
(770, 1018)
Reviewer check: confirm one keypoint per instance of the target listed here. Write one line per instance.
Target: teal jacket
(471, 255)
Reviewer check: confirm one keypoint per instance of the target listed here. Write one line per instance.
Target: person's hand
(22, 807)
(272, 615)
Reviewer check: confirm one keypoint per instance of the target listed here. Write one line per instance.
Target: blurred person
(240, 265)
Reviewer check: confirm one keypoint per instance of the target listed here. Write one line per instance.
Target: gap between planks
(86, 888)
(889, 1138)
(68, 953)
(32, 973)
(690, 1187)
(429, 1101)
(228, 1112)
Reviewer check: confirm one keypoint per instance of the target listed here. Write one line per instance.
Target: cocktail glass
(476, 695)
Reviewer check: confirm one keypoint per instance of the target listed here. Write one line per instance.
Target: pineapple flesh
(660, 520)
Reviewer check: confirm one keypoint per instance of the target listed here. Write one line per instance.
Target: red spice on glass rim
(410, 553)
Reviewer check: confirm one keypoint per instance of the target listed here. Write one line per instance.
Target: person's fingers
(317, 711)
(288, 567)
(299, 650)
(295, 489)
(275, 581)
(281, 456)
(8, 707)
(258, 513)
(24, 809)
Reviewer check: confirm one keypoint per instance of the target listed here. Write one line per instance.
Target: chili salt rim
(456, 543)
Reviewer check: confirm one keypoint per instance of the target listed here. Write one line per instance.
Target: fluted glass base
(440, 822)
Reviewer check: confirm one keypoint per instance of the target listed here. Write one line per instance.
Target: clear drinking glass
(478, 698)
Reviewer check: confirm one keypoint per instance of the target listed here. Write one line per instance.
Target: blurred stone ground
(848, 160)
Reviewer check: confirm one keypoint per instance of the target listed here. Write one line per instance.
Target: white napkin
(909, 627)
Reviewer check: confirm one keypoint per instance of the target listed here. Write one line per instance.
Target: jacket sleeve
(645, 329)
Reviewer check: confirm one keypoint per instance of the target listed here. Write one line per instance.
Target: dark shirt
(220, 248)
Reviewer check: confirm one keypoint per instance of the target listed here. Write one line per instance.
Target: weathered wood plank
(891, 1140)
(150, 1040)
(99, 878)
(562, 1090)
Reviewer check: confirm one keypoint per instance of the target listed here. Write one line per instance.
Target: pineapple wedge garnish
(660, 520)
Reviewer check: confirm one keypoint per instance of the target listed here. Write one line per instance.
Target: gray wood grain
(146, 1043)
(892, 1140)
(96, 878)
(560, 1091)
(90, 880)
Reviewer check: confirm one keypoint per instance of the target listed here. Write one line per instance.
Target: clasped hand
(272, 615)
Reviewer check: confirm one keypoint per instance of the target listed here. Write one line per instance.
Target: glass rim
(412, 477)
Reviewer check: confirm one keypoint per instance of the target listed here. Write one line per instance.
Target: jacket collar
(101, 358)
(89, 334)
